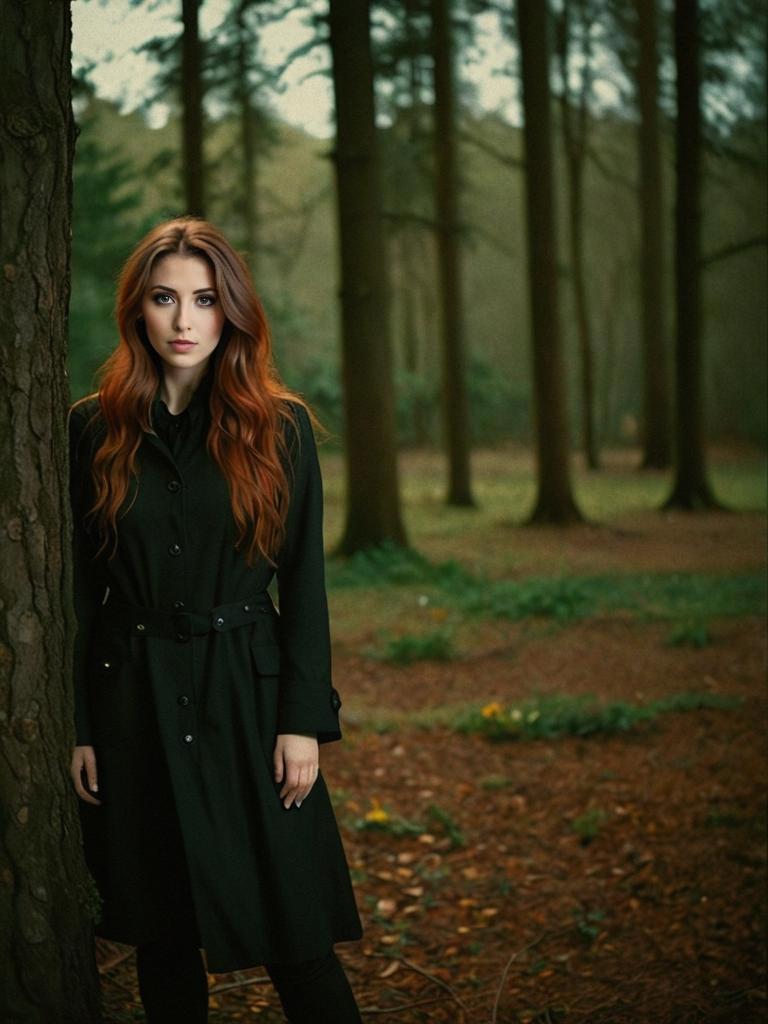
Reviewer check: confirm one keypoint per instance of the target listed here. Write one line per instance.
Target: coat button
(178, 605)
(174, 549)
(246, 607)
(173, 486)
(183, 700)
(188, 738)
(219, 621)
(107, 664)
(140, 627)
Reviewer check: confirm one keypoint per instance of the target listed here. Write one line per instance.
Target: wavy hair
(248, 401)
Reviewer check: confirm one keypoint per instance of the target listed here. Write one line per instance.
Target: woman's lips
(182, 346)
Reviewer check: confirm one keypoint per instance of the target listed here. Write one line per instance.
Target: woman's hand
(296, 760)
(84, 760)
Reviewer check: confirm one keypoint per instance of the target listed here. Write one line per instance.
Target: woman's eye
(208, 300)
(162, 295)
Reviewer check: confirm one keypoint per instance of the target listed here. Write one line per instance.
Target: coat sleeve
(89, 579)
(308, 701)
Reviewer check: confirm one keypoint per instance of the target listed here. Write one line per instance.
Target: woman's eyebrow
(165, 288)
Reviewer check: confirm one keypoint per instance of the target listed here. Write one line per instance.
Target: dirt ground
(617, 879)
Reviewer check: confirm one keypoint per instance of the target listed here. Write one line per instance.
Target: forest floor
(610, 877)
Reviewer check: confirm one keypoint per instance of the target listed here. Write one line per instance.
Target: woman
(199, 707)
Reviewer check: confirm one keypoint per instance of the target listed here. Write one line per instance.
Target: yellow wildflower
(491, 710)
(516, 715)
(377, 814)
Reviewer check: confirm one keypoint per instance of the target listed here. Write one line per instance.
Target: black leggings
(174, 989)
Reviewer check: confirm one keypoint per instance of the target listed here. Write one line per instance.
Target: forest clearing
(607, 876)
(438, 328)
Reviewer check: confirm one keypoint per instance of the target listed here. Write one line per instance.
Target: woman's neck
(178, 386)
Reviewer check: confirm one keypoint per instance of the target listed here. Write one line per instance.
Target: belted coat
(185, 673)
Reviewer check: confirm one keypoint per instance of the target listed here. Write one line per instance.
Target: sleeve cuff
(300, 717)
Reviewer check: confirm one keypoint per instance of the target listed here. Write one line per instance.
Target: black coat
(184, 675)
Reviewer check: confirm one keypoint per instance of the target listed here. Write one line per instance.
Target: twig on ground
(227, 986)
(431, 977)
(400, 1006)
(513, 957)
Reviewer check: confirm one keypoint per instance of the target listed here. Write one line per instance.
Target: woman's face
(182, 313)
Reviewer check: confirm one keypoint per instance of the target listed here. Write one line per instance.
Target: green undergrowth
(392, 564)
(687, 598)
(543, 716)
(433, 645)
(555, 715)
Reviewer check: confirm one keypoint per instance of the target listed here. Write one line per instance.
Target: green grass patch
(587, 825)
(547, 717)
(694, 633)
(390, 563)
(687, 598)
(434, 645)
(588, 923)
(447, 823)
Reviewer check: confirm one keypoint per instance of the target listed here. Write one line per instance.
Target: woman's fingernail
(298, 803)
(95, 788)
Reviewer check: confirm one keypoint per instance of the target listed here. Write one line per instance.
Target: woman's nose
(182, 319)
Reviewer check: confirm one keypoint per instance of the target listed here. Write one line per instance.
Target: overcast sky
(106, 33)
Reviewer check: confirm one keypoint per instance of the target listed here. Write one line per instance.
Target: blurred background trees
(453, 295)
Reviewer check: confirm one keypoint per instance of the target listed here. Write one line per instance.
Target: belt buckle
(182, 627)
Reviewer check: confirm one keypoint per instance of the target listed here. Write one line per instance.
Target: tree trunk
(690, 489)
(247, 140)
(554, 501)
(47, 965)
(455, 404)
(575, 129)
(656, 425)
(581, 302)
(193, 171)
(373, 509)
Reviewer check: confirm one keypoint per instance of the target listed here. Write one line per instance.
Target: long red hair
(248, 400)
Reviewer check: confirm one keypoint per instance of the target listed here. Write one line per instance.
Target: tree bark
(554, 500)
(373, 509)
(47, 899)
(575, 127)
(690, 488)
(193, 170)
(454, 396)
(247, 139)
(656, 420)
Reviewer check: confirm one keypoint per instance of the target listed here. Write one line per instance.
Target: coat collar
(195, 410)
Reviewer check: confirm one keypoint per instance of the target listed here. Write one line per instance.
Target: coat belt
(181, 624)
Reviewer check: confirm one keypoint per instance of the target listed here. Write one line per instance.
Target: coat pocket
(266, 658)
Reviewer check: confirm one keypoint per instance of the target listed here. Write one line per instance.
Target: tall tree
(47, 966)
(193, 164)
(237, 79)
(690, 489)
(574, 117)
(656, 425)
(455, 406)
(373, 507)
(247, 131)
(554, 500)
